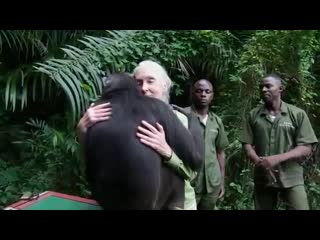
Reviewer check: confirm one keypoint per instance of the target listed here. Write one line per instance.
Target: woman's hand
(154, 138)
(95, 114)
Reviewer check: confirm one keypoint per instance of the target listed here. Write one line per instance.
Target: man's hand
(221, 156)
(269, 162)
(221, 194)
(154, 138)
(296, 154)
(256, 160)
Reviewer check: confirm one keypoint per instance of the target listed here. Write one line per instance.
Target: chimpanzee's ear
(105, 79)
(106, 83)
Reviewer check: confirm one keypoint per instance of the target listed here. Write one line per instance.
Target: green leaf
(34, 85)
(3, 181)
(76, 51)
(80, 71)
(43, 70)
(43, 85)
(71, 54)
(47, 67)
(11, 175)
(22, 78)
(24, 98)
(87, 44)
(55, 140)
(69, 95)
(76, 91)
(13, 93)
(7, 93)
(4, 33)
(3, 199)
(10, 189)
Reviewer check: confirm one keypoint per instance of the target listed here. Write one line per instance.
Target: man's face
(271, 89)
(202, 93)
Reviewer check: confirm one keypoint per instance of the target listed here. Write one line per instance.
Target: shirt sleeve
(305, 133)
(222, 139)
(246, 134)
(176, 164)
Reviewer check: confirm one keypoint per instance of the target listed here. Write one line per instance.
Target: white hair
(158, 72)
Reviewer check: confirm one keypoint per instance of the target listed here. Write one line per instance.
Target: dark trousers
(266, 198)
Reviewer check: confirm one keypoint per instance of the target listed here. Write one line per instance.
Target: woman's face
(149, 85)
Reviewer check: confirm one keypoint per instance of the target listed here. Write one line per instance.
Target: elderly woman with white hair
(154, 81)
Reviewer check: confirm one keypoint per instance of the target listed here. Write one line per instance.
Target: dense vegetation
(48, 78)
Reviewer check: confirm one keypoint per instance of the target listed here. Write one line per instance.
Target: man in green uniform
(209, 183)
(277, 136)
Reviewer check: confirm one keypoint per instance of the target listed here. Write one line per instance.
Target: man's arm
(305, 137)
(298, 153)
(221, 159)
(251, 153)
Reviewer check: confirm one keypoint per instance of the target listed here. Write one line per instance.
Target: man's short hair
(275, 76)
(194, 82)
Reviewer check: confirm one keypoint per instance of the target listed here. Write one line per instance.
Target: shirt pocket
(212, 136)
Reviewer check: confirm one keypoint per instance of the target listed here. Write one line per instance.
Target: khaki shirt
(190, 197)
(209, 176)
(289, 129)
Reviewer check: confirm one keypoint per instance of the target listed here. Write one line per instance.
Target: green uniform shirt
(209, 177)
(288, 130)
(190, 197)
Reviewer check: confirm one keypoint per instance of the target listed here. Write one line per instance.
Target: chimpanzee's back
(123, 172)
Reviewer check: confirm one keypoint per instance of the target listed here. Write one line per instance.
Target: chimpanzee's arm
(180, 139)
(175, 162)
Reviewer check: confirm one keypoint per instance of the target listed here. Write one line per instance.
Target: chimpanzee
(122, 172)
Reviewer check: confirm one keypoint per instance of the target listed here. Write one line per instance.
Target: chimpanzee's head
(117, 82)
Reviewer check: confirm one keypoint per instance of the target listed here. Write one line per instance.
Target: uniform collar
(283, 108)
(210, 114)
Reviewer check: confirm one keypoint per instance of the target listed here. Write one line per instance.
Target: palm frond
(85, 67)
(21, 82)
(36, 123)
(11, 39)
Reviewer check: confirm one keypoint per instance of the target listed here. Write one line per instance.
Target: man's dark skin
(271, 89)
(202, 97)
